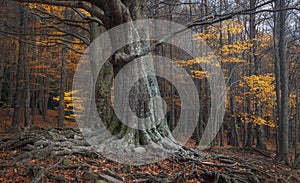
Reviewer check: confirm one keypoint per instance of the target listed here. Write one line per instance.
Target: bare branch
(71, 4)
(84, 17)
(207, 20)
(48, 44)
(57, 20)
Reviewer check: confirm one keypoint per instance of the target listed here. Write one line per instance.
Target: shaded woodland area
(257, 44)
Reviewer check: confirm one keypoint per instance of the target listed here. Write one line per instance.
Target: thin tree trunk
(260, 137)
(221, 44)
(45, 98)
(63, 79)
(250, 130)
(234, 139)
(33, 105)
(222, 135)
(199, 129)
(1, 72)
(296, 125)
(26, 76)
(172, 123)
(277, 113)
(12, 80)
(61, 109)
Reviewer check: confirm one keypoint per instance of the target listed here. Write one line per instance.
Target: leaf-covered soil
(49, 154)
(61, 155)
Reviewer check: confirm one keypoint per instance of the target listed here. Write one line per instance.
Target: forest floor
(46, 153)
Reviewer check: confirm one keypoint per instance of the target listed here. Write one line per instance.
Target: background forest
(257, 44)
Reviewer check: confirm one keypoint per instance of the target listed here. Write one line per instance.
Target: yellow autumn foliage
(235, 48)
(261, 90)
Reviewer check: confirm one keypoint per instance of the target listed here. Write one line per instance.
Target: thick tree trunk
(250, 135)
(233, 138)
(104, 81)
(284, 84)
(200, 126)
(154, 132)
(260, 131)
(43, 97)
(260, 140)
(19, 84)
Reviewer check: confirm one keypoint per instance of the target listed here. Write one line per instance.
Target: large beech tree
(106, 14)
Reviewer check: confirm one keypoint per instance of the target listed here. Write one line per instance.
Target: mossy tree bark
(155, 132)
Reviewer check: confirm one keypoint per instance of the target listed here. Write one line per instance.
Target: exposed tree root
(62, 155)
